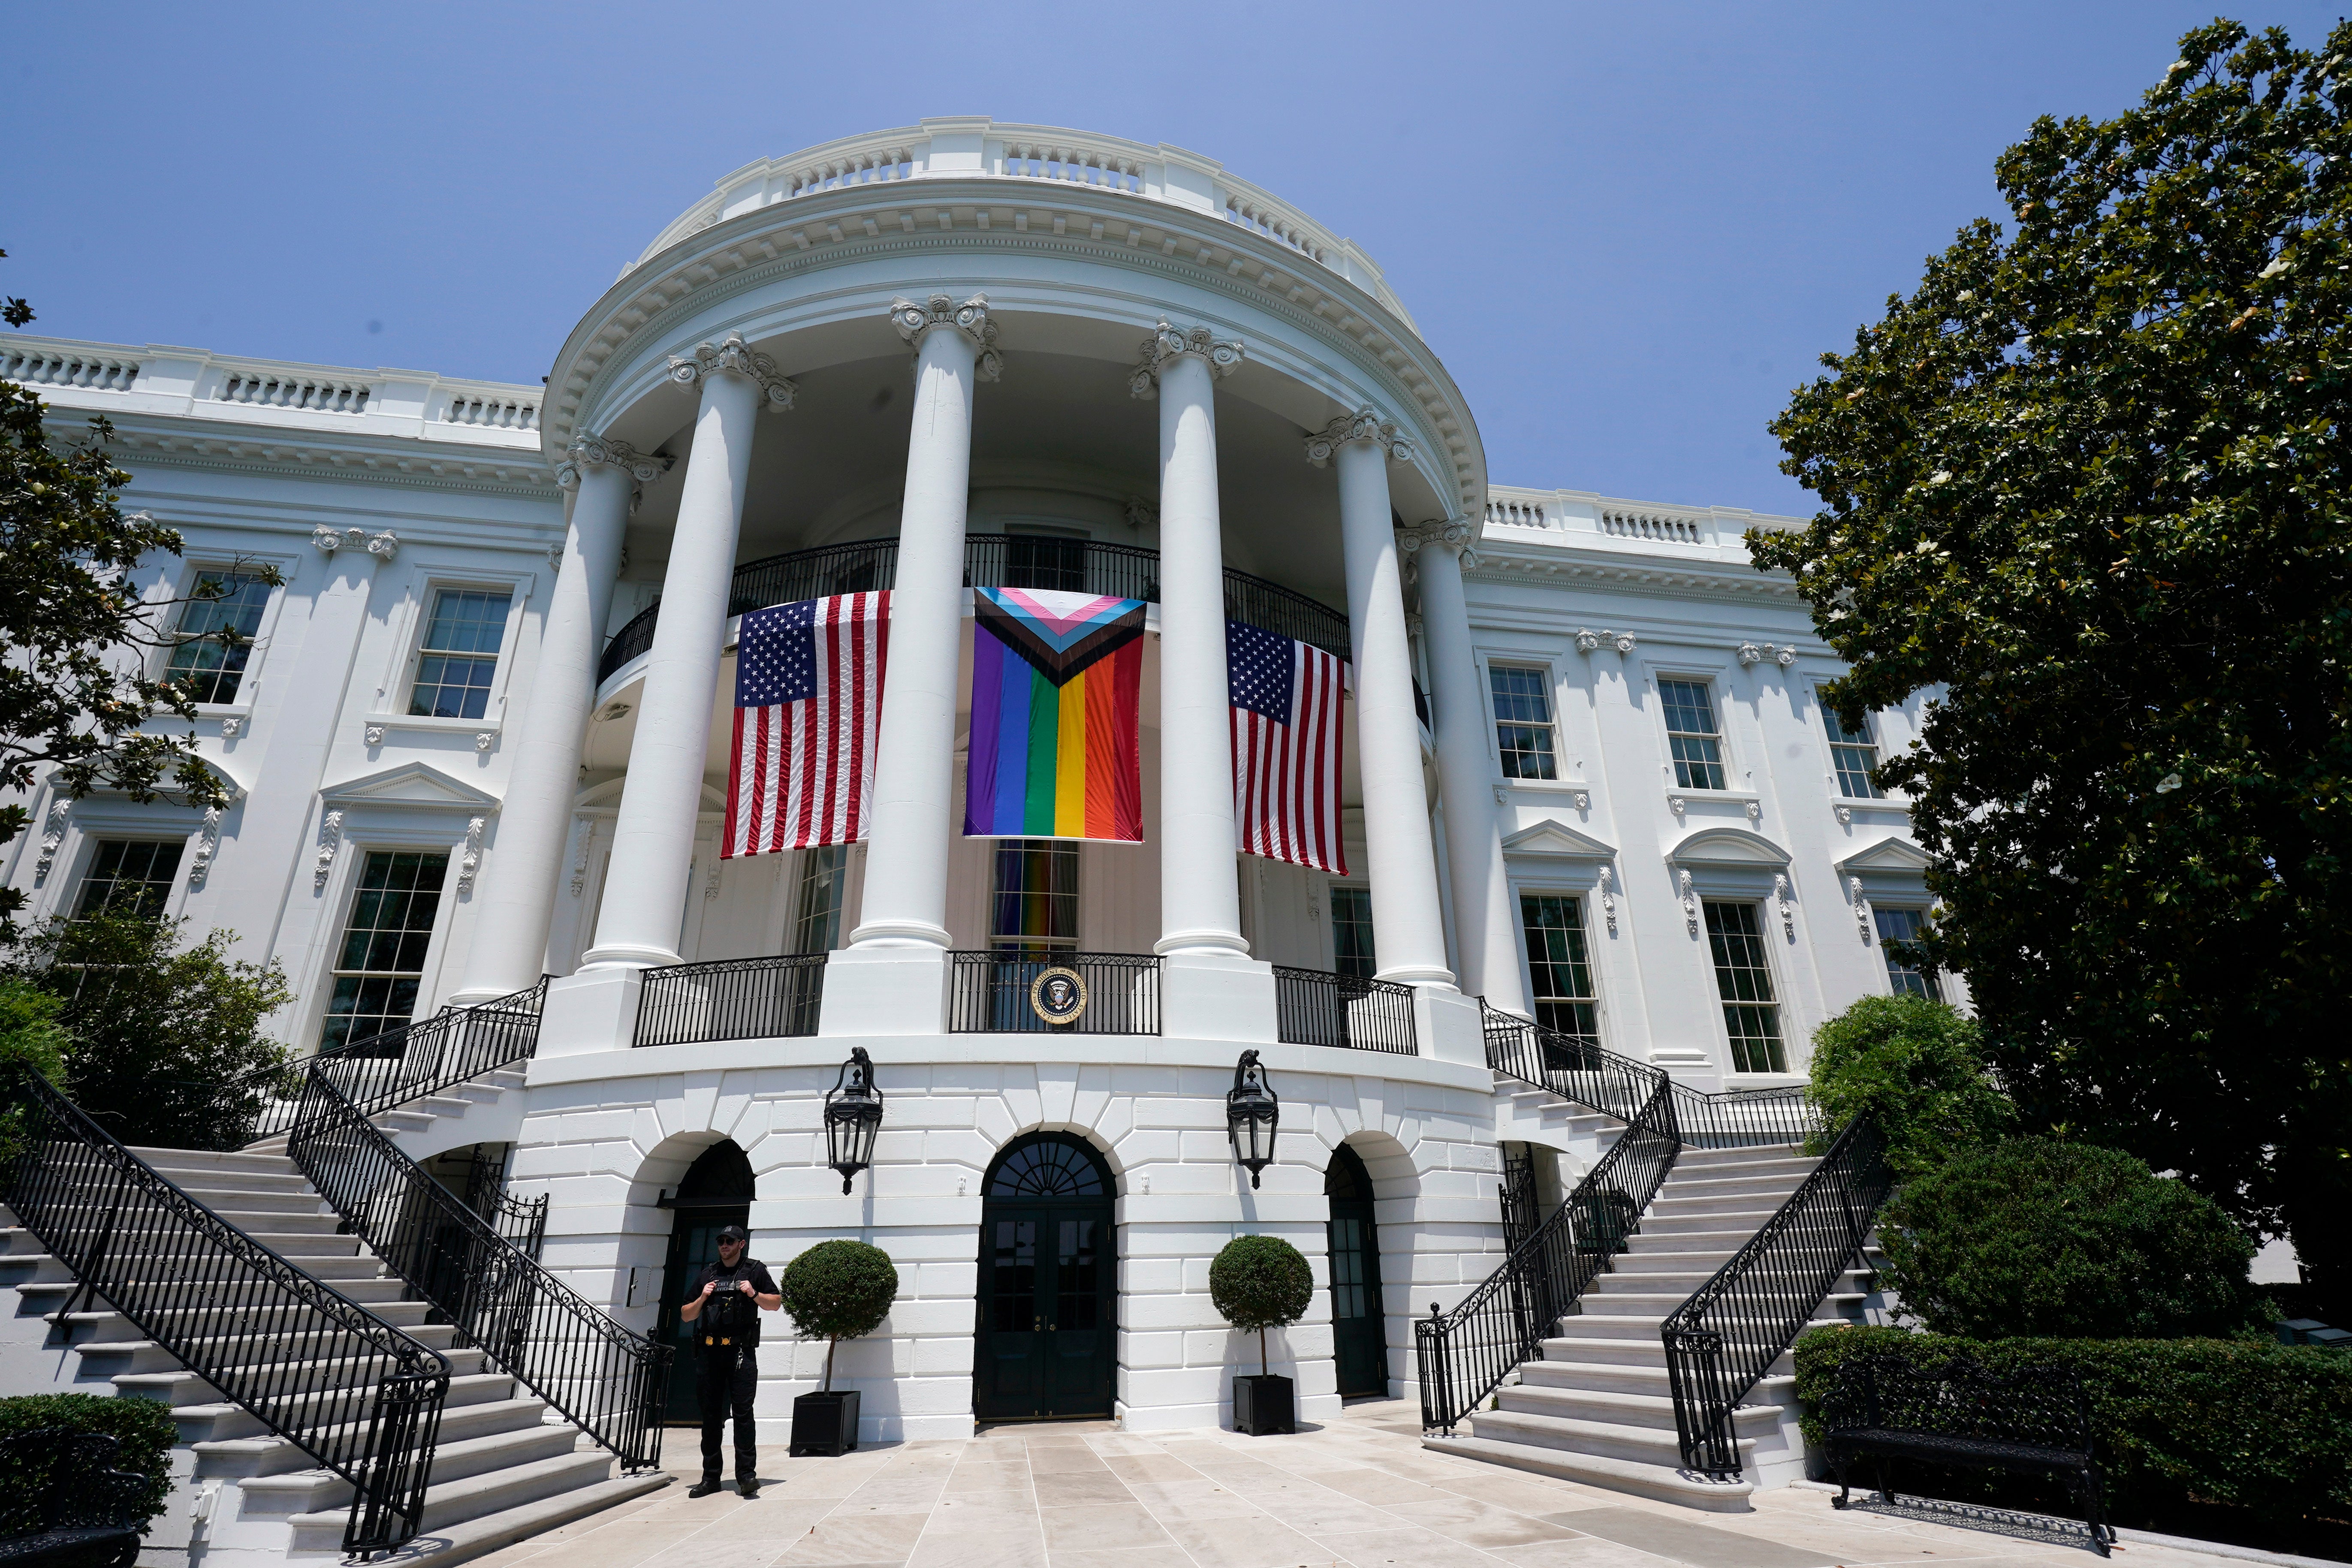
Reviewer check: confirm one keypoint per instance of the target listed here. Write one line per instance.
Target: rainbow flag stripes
(1056, 749)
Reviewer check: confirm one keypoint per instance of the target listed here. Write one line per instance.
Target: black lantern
(1252, 1111)
(852, 1115)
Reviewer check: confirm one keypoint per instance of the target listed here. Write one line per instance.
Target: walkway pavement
(1358, 1493)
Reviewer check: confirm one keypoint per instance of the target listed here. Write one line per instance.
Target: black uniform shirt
(731, 1313)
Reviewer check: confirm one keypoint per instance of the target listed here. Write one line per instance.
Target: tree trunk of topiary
(1264, 1367)
(831, 1345)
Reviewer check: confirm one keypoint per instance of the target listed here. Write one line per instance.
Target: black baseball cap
(734, 1233)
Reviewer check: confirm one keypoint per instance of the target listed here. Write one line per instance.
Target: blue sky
(1629, 228)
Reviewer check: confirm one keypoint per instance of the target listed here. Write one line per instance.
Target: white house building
(483, 732)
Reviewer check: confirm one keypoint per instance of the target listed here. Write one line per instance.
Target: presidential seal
(1058, 996)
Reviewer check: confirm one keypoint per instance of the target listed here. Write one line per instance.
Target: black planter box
(825, 1423)
(1262, 1406)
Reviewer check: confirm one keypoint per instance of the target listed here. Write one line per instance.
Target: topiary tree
(1913, 1066)
(1260, 1282)
(2032, 1236)
(839, 1290)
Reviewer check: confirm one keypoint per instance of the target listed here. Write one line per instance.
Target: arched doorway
(1359, 1327)
(715, 1193)
(1048, 1333)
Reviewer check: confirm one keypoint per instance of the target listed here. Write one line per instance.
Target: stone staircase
(490, 1107)
(1597, 1408)
(506, 1467)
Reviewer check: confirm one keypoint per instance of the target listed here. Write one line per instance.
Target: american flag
(808, 698)
(1285, 699)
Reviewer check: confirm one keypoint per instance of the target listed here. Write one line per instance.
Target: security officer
(721, 1304)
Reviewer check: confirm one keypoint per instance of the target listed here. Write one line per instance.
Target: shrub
(1915, 1067)
(839, 1290)
(30, 1037)
(2237, 1423)
(2031, 1236)
(1260, 1282)
(144, 1426)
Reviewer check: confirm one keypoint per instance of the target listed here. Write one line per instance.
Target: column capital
(1446, 532)
(971, 318)
(383, 546)
(1221, 355)
(735, 357)
(1365, 424)
(609, 451)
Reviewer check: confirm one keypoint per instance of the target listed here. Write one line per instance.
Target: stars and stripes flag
(1286, 698)
(808, 702)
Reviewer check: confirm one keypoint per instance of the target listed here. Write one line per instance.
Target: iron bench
(1887, 1407)
(84, 1511)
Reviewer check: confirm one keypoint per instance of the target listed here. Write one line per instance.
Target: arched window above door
(1049, 1165)
(1346, 1178)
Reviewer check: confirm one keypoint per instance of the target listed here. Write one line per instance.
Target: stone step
(469, 1497)
(457, 1543)
(1575, 1346)
(215, 1160)
(1692, 1156)
(1618, 1377)
(83, 1328)
(1758, 1206)
(1592, 1439)
(290, 1491)
(1674, 1485)
(184, 1388)
(217, 1178)
(220, 1421)
(111, 1358)
(1649, 1411)
(249, 1200)
(265, 1455)
(1705, 1183)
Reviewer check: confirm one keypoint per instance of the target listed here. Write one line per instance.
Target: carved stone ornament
(710, 882)
(582, 831)
(1677, 804)
(384, 546)
(1749, 653)
(1221, 355)
(971, 319)
(1141, 514)
(1788, 909)
(1690, 903)
(471, 860)
(1755, 811)
(1845, 817)
(53, 835)
(1609, 899)
(373, 734)
(330, 839)
(1861, 908)
(1756, 653)
(735, 357)
(232, 727)
(200, 860)
(1786, 656)
(1594, 642)
(328, 540)
(1364, 424)
(1583, 799)
(1447, 532)
(485, 738)
(607, 451)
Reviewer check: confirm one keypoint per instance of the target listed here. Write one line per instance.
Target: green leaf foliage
(2266, 1428)
(31, 1039)
(1260, 1282)
(2032, 1236)
(839, 1289)
(1914, 1067)
(2086, 487)
(144, 1426)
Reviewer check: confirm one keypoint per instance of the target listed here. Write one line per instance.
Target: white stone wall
(605, 1136)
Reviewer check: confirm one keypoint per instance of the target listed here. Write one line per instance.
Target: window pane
(824, 873)
(1035, 906)
(1523, 726)
(1743, 979)
(1351, 932)
(379, 964)
(214, 636)
(1904, 975)
(1691, 735)
(1855, 755)
(1557, 967)
(460, 657)
(129, 876)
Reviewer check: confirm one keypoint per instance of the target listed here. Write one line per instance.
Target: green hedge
(145, 1427)
(2235, 1422)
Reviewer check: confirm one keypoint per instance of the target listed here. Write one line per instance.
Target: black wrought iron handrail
(1317, 1008)
(1578, 1068)
(240, 1317)
(777, 997)
(990, 993)
(995, 561)
(1465, 1354)
(606, 1379)
(1744, 1118)
(1721, 1341)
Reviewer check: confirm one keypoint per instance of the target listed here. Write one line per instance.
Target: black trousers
(725, 1379)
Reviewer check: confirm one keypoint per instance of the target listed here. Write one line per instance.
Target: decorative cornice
(971, 319)
(735, 357)
(1365, 424)
(610, 451)
(1221, 355)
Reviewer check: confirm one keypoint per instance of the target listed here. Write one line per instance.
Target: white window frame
(416, 617)
(1713, 680)
(172, 588)
(1488, 664)
(438, 833)
(1586, 891)
(1726, 883)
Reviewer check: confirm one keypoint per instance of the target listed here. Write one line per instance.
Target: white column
(1200, 902)
(1485, 936)
(652, 840)
(518, 895)
(1408, 931)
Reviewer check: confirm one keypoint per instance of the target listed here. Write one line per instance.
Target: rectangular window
(1896, 930)
(1743, 978)
(381, 962)
(1559, 977)
(129, 876)
(1691, 734)
(1351, 933)
(1035, 906)
(215, 636)
(1855, 755)
(460, 653)
(1523, 727)
(823, 872)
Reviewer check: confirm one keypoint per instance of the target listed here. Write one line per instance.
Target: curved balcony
(996, 561)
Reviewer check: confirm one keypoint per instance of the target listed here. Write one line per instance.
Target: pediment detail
(413, 784)
(1886, 854)
(238, 788)
(1552, 836)
(1727, 846)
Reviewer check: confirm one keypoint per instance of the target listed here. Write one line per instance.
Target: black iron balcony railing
(731, 999)
(998, 993)
(1578, 1068)
(996, 561)
(355, 1395)
(1316, 1007)
(1721, 1342)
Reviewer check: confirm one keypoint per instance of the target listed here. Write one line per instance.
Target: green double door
(1047, 1331)
(1359, 1328)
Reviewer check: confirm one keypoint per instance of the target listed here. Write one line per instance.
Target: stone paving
(1358, 1493)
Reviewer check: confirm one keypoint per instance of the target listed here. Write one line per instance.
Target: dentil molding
(735, 357)
(1221, 355)
(971, 319)
(1364, 424)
